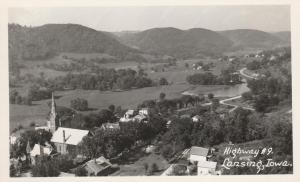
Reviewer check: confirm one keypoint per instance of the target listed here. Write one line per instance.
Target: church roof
(72, 136)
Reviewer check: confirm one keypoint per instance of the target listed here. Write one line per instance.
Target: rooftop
(199, 151)
(207, 164)
(97, 165)
(72, 136)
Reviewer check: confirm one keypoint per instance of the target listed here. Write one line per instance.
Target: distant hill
(284, 36)
(35, 43)
(248, 38)
(45, 41)
(176, 42)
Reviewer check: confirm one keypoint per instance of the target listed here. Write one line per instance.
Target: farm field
(22, 114)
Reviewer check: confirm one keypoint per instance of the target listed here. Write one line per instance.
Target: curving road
(236, 97)
(245, 75)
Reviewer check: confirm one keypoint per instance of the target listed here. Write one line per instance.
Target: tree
(261, 103)
(154, 167)
(163, 81)
(162, 96)
(105, 115)
(45, 168)
(80, 171)
(186, 65)
(92, 147)
(210, 96)
(215, 103)
(12, 171)
(64, 163)
(112, 108)
(247, 95)
(146, 167)
(179, 170)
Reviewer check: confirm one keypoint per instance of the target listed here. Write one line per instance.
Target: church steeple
(52, 116)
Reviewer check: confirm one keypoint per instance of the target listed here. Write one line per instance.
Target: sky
(261, 17)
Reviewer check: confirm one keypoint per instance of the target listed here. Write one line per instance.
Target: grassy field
(21, 114)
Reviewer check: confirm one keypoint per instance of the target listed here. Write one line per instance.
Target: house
(196, 118)
(169, 124)
(39, 150)
(199, 67)
(273, 58)
(13, 139)
(66, 139)
(128, 116)
(42, 128)
(206, 167)
(97, 167)
(144, 111)
(198, 154)
(110, 126)
(231, 59)
(140, 118)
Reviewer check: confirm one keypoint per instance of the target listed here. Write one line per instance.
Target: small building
(13, 139)
(198, 154)
(144, 111)
(97, 167)
(129, 113)
(206, 167)
(110, 126)
(67, 137)
(128, 116)
(196, 118)
(168, 124)
(39, 150)
(273, 58)
(140, 118)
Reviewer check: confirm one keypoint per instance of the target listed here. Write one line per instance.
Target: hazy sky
(262, 17)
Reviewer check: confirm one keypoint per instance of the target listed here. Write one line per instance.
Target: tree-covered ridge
(31, 43)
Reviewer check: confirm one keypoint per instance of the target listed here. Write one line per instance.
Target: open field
(22, 114)
(179, 73)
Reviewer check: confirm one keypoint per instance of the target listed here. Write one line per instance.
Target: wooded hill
(42, 42)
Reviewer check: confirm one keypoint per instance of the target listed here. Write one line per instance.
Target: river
(230, 91)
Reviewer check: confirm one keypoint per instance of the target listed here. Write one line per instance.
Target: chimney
(64, 136)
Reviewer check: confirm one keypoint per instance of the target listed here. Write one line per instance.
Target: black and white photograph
(166, 90)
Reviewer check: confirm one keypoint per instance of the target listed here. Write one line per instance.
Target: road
(245, 75)
(236, 97)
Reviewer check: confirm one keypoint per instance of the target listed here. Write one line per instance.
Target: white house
(128, 116)
(13, 139)
(206, 167)
(64, 137)
(196, 118)
(144, 111)
(198, 154)
(39, 150)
